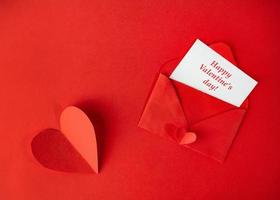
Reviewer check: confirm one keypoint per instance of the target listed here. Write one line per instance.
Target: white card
(204, 69)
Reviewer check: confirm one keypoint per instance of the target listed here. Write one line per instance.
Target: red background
(104, 55)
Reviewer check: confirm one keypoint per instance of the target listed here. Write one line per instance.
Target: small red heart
(188, 138)
(73, 149)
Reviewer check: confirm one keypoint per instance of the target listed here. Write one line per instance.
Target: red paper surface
(104, 56)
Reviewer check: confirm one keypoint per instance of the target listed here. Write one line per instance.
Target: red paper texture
(174, 109)
(103, 56)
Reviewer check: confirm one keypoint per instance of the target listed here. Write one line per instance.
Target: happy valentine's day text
(218, 76)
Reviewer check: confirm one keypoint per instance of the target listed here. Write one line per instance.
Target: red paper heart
(188, 138)
(73, 149)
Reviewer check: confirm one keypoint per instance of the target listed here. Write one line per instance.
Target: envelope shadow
(95, 112)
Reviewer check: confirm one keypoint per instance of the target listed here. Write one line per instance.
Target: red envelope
(192, 118)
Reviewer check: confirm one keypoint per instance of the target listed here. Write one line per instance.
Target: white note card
(204, 69)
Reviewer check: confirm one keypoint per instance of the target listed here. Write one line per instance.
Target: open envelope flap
(174, 108)
(163, 112)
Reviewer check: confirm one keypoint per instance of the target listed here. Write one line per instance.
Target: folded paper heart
(73, 148)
